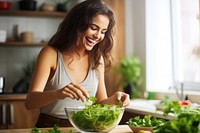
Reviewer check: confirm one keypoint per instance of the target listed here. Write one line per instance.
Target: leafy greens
(147, 121)
(97, 117)
(187, 121)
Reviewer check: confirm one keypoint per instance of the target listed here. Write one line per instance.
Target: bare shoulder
(48, 50)
(48, 54)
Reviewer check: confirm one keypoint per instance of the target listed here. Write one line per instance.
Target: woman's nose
(97, 35)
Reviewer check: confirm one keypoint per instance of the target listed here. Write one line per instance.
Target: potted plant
(130, 70)
(62, 5)
(23, 84)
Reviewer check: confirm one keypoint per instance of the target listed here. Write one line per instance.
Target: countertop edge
(11, 97)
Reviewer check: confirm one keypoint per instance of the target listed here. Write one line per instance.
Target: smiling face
(95, 32)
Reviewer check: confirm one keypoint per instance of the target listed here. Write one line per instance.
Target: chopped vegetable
(185, 102)
(147, 121)
(97, 117)
(187, 121)
(187, 118)
(172, 107)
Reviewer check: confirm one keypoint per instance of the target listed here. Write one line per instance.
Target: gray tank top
(61, 79)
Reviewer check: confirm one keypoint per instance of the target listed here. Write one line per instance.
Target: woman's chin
(89, 48)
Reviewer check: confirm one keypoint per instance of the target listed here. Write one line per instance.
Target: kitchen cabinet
(14, 115)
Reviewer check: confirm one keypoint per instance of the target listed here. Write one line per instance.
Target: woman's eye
(93, 27)
(103, 32)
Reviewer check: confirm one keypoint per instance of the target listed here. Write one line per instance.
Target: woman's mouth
(90, 42)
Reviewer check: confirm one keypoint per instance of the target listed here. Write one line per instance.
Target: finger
(123, 97)
(84, 92)
(76, 89)
(80, 95)
(63, 94)
(71, 90)
(69, 95)
(126, 100)
(119, 95)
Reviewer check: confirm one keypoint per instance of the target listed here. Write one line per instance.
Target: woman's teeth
(91, 41)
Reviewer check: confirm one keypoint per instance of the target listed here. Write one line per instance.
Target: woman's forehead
(101, 20)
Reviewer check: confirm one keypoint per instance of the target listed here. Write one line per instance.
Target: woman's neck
(76, 53)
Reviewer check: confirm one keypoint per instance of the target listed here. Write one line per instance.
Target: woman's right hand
(73, 91)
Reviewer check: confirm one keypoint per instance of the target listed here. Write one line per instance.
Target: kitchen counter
(12, 97)
(157, 114)
(147, 107)
(118, 129)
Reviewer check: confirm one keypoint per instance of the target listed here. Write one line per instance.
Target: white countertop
(147, 107)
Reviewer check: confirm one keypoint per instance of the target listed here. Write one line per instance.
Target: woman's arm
(101, 91)
(44, 70)
(46, 62)
(102, 94)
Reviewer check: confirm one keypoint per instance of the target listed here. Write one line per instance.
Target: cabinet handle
(4, 114)
(11, 114)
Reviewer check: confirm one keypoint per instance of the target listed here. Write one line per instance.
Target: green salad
(97, 117)
(147, 121)
(187, 120)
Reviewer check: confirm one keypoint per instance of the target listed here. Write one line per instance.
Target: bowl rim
(83, 107)
(79, 108)
(75, 108)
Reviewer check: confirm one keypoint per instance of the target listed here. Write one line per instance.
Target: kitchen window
(173, 44)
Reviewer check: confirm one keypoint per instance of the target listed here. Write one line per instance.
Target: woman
(71, 68)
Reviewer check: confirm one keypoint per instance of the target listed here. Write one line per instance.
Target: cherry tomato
(186, 102)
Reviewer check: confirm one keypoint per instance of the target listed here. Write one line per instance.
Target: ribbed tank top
(61, 79)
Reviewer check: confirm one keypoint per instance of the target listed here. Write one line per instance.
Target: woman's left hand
(114, 99)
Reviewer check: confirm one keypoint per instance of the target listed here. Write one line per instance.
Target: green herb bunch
(187, 119)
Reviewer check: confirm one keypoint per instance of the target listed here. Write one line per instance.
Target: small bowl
(5, 5)
(96, 121)
(137, 129)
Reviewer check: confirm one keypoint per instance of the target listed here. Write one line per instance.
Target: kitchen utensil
(2, 84)
(3, 34)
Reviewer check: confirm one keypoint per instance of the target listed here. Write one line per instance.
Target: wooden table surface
(118, 129)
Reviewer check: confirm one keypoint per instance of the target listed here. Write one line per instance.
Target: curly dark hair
(76, 22)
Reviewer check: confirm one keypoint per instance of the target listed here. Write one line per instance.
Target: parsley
(147, 121)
